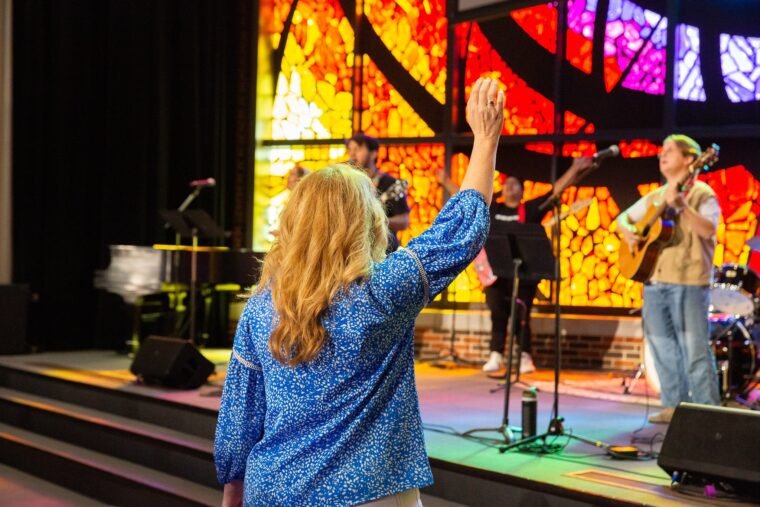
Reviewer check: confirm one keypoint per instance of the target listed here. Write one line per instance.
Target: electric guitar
(395, 191)
(638, 262)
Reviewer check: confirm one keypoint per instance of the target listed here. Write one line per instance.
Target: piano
(144, 290)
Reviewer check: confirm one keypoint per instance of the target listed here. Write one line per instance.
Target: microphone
(610, 151)
(208, 182)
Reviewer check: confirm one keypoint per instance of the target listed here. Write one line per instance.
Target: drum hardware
(736, 353)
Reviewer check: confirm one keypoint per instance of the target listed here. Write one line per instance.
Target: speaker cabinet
(171, 362)
(716, 444)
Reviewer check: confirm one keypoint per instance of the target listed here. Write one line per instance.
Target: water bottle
(529, 412)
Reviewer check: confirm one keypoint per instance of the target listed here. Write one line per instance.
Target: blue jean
(677, 331)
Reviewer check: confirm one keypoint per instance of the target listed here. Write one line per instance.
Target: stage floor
(454, 400)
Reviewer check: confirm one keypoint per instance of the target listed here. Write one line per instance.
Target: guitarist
(362, 151)
(677, 297)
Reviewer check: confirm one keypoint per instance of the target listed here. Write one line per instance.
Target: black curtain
(117, 106)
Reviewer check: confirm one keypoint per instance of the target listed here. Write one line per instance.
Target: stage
(95, 389)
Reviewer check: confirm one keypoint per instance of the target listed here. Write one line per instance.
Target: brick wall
(587, 342)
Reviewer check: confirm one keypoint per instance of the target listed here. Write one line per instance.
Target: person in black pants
(498, 291)
(499, 294)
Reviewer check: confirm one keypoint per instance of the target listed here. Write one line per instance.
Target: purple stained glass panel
(635, 37)
(689, 85)
(740, 62)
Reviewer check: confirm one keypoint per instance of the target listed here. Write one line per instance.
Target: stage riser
(478, 487)
(168, 457)
(94, 482)
(184, 418)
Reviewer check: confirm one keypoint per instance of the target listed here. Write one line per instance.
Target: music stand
(516, 251)
(556, 424)
(176, 220)
(195, 224)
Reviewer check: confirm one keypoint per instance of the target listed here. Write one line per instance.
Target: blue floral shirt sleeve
(413, 276)
(243, 406)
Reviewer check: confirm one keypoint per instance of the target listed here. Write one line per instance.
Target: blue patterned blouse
(344, 429)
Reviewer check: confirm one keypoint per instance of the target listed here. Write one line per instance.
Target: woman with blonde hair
(319, 405)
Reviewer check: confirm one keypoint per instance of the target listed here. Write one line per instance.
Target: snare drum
(734, 290)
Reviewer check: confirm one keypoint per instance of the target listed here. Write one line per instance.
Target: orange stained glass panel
(385, 113)
(739, 197)
(527, 112)
(415, 33)
(313, 94)
(417, 164)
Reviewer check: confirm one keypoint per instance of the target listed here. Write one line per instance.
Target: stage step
(96, 475)
(188, 419)
(163, 449)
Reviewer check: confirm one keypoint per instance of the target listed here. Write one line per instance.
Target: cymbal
(574, 208)
(754, 244)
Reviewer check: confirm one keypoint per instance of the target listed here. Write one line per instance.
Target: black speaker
(714, 444)
(14, 317)
(171, 362)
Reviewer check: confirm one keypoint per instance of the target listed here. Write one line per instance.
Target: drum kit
(735, 329)
(734, 332)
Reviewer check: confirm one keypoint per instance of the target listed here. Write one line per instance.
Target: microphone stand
(556, 424)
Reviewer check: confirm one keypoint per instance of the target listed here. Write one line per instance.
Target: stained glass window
(634, 48)
(581, 15)
(526, 111)
(417, 164)
(313, 94)
(415, 33)
(739, 196)
(540, 22)
(385, 113)
(323, 92)
(689, 83)
(740, 62)
(590, 252)
(573, 125)
(637, 148)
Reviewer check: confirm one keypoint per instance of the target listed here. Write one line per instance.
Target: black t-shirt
(392, 207)
(500, 212)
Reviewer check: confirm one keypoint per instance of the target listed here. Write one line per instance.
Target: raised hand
(485, 109)
(485, 114)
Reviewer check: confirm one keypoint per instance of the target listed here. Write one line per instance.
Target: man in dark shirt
(499, 290)
(499, 294)
(362, 151)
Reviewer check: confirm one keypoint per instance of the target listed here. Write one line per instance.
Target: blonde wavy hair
(332, 229)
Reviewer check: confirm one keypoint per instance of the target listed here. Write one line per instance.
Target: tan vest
(688, 259)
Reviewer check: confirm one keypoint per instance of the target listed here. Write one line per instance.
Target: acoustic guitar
(638, 263)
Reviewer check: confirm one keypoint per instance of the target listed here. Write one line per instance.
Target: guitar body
(638, 264)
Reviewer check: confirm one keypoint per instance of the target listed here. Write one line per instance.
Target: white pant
(408, 498)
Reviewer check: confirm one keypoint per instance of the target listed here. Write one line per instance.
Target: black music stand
(518, 252)
(556, 424)
(195, 224)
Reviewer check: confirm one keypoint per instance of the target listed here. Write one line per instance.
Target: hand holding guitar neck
(674, 197)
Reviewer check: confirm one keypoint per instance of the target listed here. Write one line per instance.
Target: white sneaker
(526, 363)
(495, 362)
